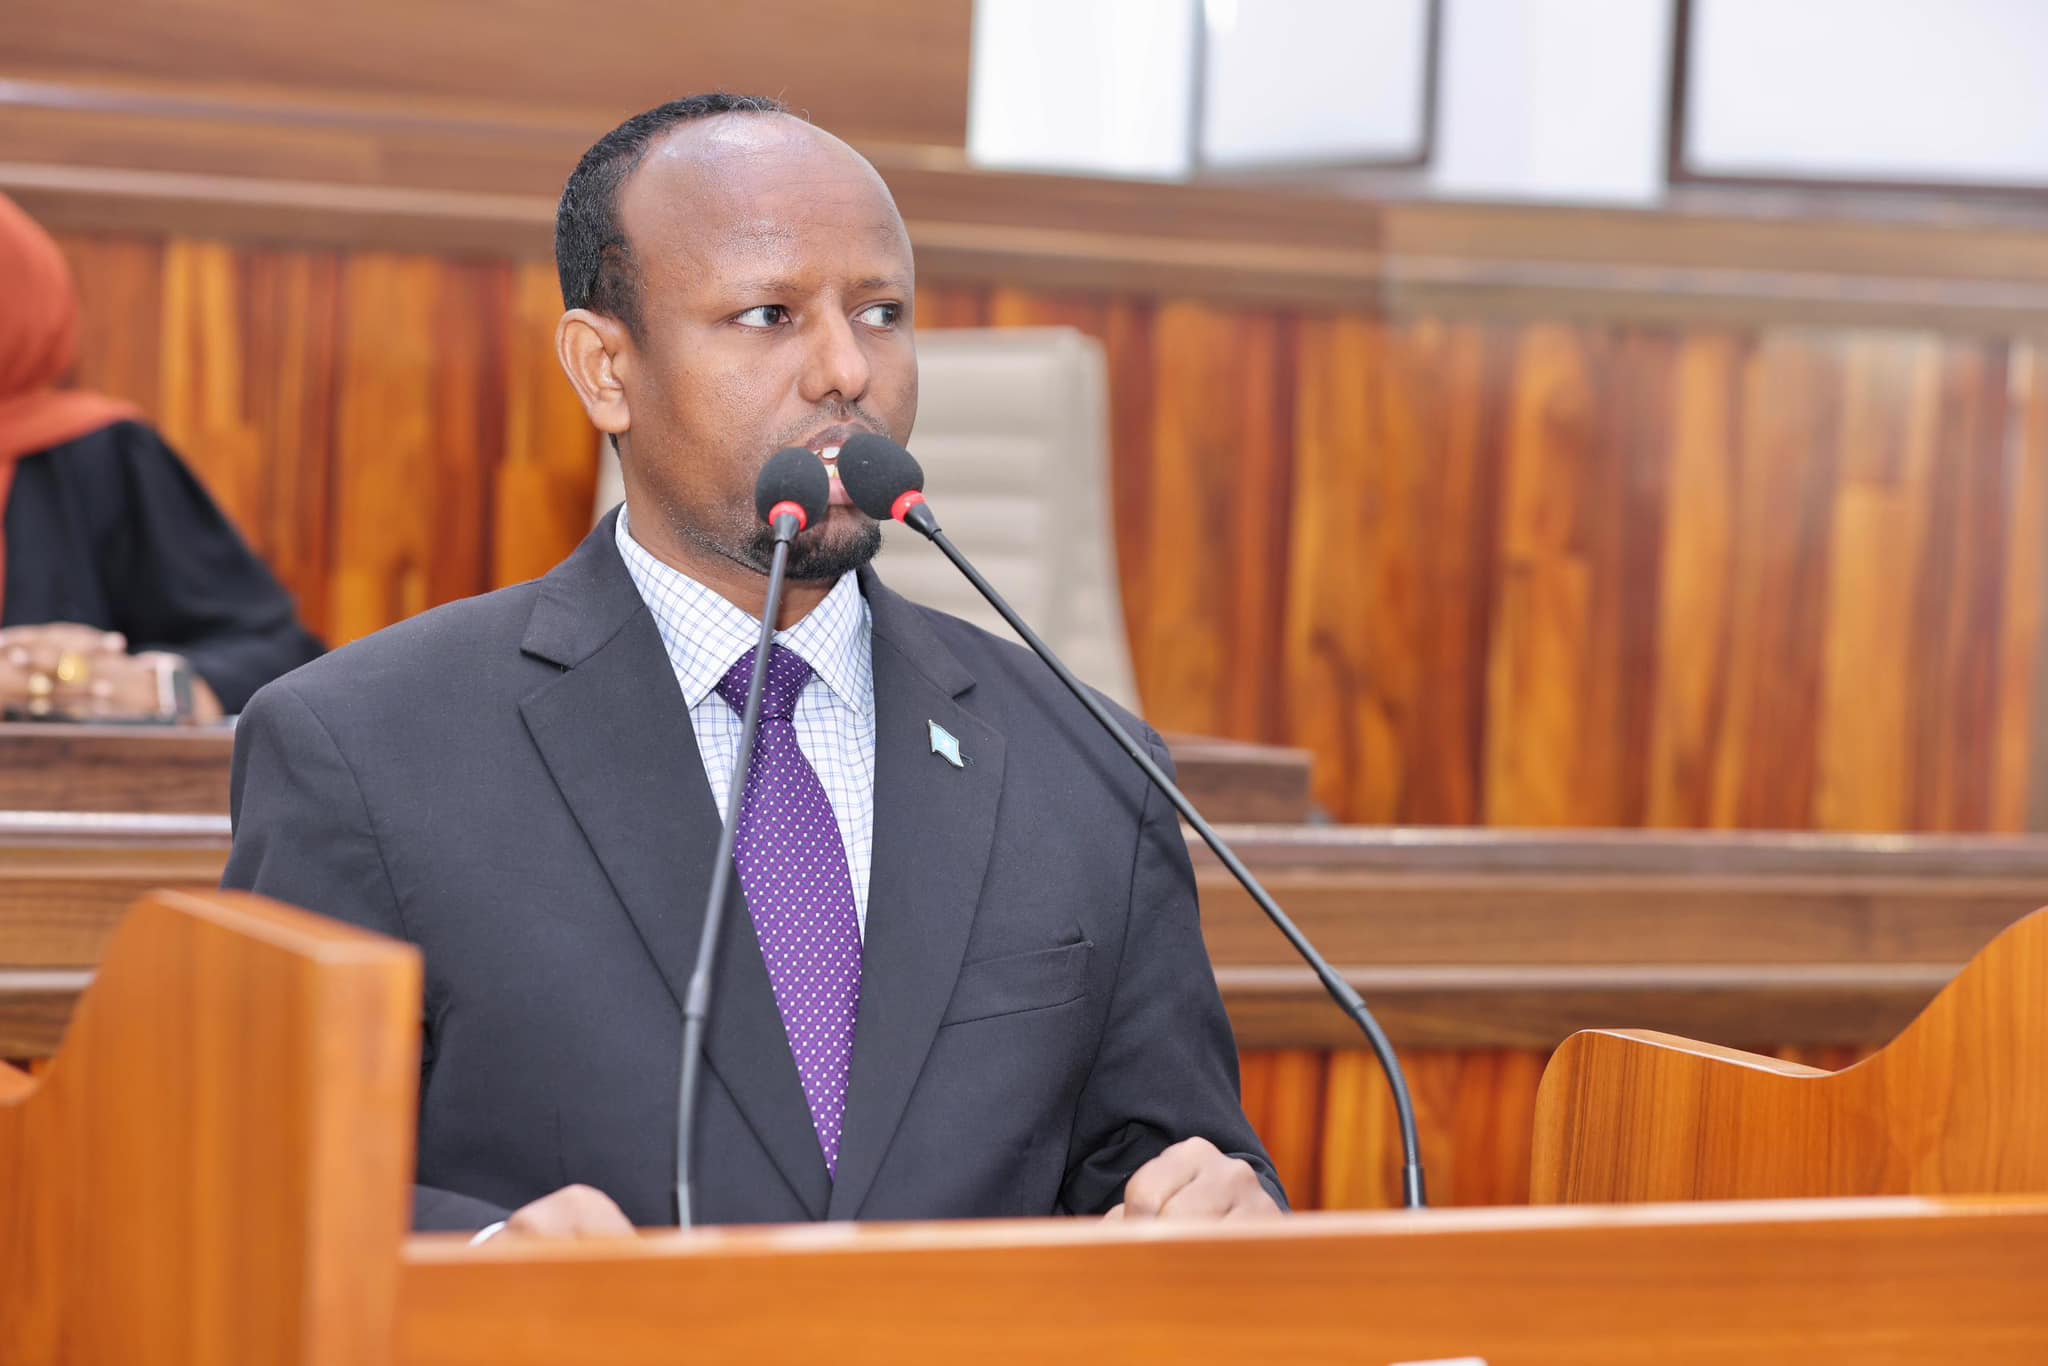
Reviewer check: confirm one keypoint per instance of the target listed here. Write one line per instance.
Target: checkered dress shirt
(835, 714)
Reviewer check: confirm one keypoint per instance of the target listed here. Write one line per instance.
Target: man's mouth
(826, 445)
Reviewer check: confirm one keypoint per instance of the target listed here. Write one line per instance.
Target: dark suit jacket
(112, 530)
(511, 783)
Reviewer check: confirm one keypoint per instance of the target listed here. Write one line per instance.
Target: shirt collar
(705, 635)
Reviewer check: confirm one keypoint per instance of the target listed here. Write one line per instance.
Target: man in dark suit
(966, 977)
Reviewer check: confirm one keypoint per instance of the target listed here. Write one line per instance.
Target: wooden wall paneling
(1785, 462)
(1392, 574)
(1879, 542)
(2017, 728)
(1538, 673)
(418, 429)
(546, 484)
(1689, 680)
(1205, 617)
(1353, 592)
(248, 385)
(292, 309)
(1957, 603)
(1584, 465)
(1284, 1094)
(120, 304)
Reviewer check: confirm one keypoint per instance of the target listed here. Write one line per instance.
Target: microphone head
(877, 473)
(797, 477)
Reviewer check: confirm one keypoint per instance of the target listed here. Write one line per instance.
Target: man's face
(775, 282)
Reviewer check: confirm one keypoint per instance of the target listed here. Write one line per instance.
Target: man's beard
(819, 558)
(819, 555)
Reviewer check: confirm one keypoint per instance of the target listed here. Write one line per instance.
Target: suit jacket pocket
(1018, 982)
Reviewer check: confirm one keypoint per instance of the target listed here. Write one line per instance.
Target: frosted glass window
(1869, 90)
(1291, 81)
(1091, 86)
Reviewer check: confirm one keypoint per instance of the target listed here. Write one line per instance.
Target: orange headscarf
(38, 345)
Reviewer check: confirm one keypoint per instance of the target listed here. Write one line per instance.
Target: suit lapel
(934, 828)
(615, 735)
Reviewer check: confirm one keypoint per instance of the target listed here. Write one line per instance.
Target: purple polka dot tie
(792, 867)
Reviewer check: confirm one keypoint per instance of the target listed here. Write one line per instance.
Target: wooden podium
(215, 1166)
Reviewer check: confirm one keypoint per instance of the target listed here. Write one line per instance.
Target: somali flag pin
(945, 746)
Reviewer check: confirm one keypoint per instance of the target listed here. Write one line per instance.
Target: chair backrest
(215, 1168)
(1956, 1104)
(1012, 431)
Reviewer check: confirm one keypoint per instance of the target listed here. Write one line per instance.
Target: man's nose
(834, 363)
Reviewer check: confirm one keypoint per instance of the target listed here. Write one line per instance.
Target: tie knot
(787, 674)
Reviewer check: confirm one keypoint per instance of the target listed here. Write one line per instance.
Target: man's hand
(571, 1212)
(68, 672)
(1192, 1180)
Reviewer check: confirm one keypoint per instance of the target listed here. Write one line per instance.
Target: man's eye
(765, 315)
(881, 315)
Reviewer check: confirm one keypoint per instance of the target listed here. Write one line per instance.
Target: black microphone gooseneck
(885, 481)
(790, 495)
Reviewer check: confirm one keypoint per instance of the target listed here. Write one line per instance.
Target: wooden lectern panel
(1863, 1282)
(215, 1168)
(1958, 1103)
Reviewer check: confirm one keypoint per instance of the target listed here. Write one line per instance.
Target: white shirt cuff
(483, 1234)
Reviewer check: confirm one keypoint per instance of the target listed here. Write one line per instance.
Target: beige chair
(1012, 430)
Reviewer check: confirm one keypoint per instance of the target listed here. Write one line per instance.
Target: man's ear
(595, 351)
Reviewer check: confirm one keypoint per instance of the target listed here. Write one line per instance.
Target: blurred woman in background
(124, 593)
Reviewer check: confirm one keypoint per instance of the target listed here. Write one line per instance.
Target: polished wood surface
(1479, 949)
(215, 1169)
(1955, 1105)
(1863, 1282)
(1498, 572)
(173, 770)
(258, 1176)
(184, 771)
(875, 68)
(65, 882)
(1242, 783)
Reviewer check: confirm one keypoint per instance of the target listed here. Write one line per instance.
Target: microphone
(790, 494)
(885, 482)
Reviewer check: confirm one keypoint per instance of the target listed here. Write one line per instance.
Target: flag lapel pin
(945, 746)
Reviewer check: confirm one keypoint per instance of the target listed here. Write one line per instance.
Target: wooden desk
(1242, 783)
(156, 769)
(184, 770)
(65, 882)
(1843, 1281)
(1480, 950)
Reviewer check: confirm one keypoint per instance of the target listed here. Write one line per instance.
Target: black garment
(512, 783)
(112, 531)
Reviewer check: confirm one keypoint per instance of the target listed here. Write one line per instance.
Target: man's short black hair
(592, 254)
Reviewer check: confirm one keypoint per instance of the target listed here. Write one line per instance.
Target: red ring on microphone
(790, 509)
(905, 501)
